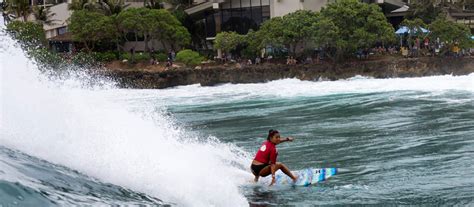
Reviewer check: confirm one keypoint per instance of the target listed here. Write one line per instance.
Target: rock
(390, 68)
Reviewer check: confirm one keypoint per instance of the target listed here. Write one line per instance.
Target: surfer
(265, 162)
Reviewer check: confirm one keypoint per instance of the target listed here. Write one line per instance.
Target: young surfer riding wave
(265, 162)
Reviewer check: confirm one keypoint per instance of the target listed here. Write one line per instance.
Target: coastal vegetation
(341, 30)
(189, 57)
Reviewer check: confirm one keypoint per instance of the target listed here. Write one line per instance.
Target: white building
(242, 15)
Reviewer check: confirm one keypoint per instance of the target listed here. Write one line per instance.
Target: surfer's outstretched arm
(288, 139)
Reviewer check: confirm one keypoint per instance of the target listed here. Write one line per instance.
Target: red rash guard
(267, 153)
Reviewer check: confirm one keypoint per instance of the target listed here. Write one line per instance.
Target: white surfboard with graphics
(306, 177)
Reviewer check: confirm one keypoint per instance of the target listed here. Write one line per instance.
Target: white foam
(290, 88)
(83, 130)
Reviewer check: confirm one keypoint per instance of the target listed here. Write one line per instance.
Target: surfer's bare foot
(295, 179)
(255, 179)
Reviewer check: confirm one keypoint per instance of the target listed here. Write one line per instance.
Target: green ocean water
(395, 147)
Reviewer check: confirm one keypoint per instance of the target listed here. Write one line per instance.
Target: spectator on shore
(426, 43)
(249, 62)
(456, 51)
(173, 55)
(309, 60)
(291, 61)
(169, 63)
(404, 52)
(257, 60)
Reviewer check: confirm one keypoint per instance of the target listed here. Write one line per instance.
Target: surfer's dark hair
(271, 133)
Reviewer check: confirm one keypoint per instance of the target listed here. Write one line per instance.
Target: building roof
(404, 8)
(198, 7)
(61, 15)
(462, 14)
(66, 37)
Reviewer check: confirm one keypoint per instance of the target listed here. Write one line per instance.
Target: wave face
(63, 141)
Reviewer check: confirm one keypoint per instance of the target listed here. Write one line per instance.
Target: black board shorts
(257, 168)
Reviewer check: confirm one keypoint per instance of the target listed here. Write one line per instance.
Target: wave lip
(68, 123)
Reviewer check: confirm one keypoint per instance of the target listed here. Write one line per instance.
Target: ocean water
(396, 141)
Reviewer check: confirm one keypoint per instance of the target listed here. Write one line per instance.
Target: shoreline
(221, 74)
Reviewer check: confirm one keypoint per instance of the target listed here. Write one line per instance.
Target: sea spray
(67, 123)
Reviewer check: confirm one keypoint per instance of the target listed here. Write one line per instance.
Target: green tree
(21, 8)
(132, 21)
(168, 28)
(43, 15)
(253, 41)
(348, 25)
(426, 10)
(228, 41)
(29, 34)
(450, 33)
(153, 4)
(189, 57)
(107, 7)
(91, 27)
(271, 33)
(32, 38)
(298, 30)
(114, 7)
(89, 5)
(293, 31)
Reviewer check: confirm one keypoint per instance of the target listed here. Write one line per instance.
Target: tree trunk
(164, 45)
(87, 46)
(133, 49)
(146, 43)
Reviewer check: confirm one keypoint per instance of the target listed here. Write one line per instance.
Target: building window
(62, 30)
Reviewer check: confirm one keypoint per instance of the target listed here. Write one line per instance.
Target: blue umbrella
(405, 29)
(472, 37)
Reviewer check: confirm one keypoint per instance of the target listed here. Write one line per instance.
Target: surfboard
(306, 177)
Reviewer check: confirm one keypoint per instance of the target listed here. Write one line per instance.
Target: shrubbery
(189, 57)
(83, 59)
(161, 57)
(104, 56)
(28, 33)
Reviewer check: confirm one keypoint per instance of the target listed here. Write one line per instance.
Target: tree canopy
(341, 28)
(28, 33)
(91, 27)
(450, 33)
(348, 25)
(228, 41)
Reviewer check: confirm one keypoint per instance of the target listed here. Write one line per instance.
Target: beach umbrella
(405, 29)
(472, 37)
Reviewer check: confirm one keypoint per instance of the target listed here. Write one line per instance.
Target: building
(56, 32)
(242, 15)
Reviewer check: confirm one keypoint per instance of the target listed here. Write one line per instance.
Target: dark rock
(206, 76)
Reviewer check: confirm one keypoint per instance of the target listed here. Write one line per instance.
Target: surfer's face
(276, 138)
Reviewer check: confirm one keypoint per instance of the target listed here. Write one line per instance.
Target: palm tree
(43, 15)
(21, 8)
(154, 4)
(107, 7)
(91, 5)
(111, 7)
